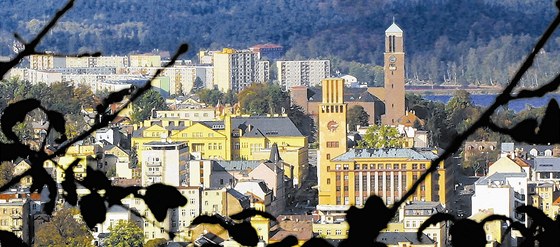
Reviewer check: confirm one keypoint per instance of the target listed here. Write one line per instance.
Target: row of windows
(332, 108)
(379, 166)
(332, 144)
(197, 135)
(337, 232)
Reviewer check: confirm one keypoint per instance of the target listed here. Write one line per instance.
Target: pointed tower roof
(394, 28)
(274, 154)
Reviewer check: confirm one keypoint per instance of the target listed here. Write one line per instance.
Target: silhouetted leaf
(115, 194)
(69, 184)
(57, 122)
(15, 113)
(11, 151)
(286, 242)
(549, 130)
(366, 223)
(250, 212)
(161, 197)
(475, 238)
(10, 239)
(433, 220)
(244, 233)
(316, 242)
(538, 216)
(96, 180)
(208, 219)
(93, 209)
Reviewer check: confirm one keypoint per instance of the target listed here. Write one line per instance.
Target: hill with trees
(458, 42)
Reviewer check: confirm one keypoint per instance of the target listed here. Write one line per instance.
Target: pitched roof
(268, 126)
(394, 28)
(274, 154)
(546, 164)
(237, 165)
(350, 95)
(411, 154)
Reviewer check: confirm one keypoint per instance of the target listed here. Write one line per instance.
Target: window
(328, 181)
(345, 177)
(395, 166)
(328, 156)
(338, 232)
(345, 167)
(414, 166)
(332, 144)
(337, 167)
(422, 166)
(328, 232)
(403, 166)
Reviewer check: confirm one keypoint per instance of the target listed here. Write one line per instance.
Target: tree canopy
(142, 108)
(125, 234)
(263, 98)
(381, 136)
(356, 115)
(63, 230)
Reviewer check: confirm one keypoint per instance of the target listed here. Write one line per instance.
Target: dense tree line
(461, 42)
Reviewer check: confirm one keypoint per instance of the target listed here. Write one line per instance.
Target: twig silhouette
(484, 119)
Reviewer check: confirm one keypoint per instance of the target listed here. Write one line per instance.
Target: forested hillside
(453, 41)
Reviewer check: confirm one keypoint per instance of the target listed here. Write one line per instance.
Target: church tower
(394, 75)
(332, 138)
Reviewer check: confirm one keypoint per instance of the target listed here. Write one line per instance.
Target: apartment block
(163, 161)
(235, 70)
(302, 73)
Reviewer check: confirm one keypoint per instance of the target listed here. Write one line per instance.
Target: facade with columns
(350, 176)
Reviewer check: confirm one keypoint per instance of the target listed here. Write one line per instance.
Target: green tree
(381, 136)
(63, 230)
(303, 122)
(197, 85)
(210, 96)
(142, 108)
(6, 172)
(356, 115)
(157, 242)
(262, 98)
(125, 234)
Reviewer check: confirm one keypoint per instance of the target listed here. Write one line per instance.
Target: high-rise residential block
(236, 70)
(302, 73)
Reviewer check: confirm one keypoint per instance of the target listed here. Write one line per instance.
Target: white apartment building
(162, 162)
(236, 70)
(302, 73)
(502, 193)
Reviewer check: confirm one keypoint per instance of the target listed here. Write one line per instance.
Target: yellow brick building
(349, 177)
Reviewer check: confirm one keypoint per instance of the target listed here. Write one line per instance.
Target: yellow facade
(350, 177)
(332, 231)
(218, 141)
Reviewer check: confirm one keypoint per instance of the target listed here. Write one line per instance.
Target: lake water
(487, 100)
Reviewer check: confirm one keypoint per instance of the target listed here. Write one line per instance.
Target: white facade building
(236, 70)
(302, 73)
(163, 161)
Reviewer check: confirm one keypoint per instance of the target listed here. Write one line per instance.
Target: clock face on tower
(332, 125)
(392, 59)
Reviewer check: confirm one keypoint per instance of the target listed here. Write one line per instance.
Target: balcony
(16, 216)
(153, 173)
(153, 163)
(519, 196)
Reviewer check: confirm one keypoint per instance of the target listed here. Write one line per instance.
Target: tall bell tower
(332, 138)
(394, 75)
